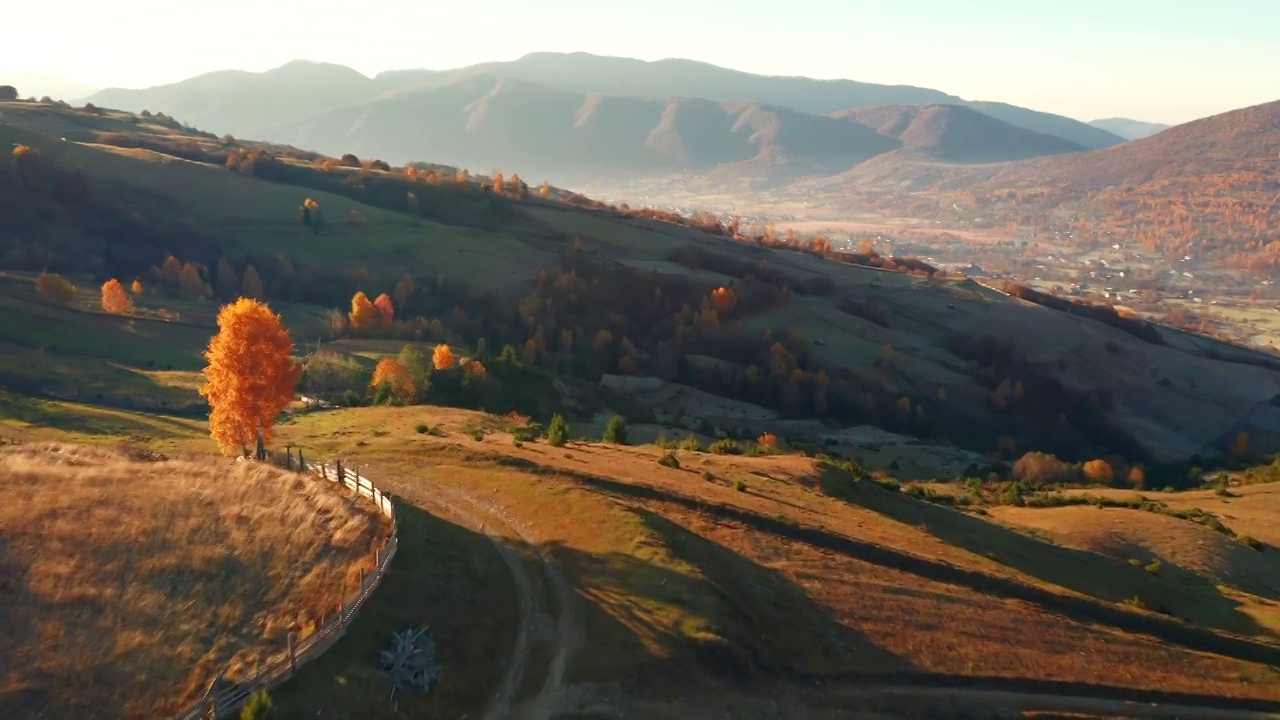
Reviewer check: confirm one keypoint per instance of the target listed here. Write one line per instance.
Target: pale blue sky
(1155, 60)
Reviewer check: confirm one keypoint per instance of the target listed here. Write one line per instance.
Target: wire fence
(223, 697)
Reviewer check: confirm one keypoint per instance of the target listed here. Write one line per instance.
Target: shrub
(725, 446)
(691, 443)
(662, 441)
(768, 442)
(421, 428)
(56, 288)
(528, 432)
(259, 707)
(739, 485)
(558, 431)
(1044, 469)
(1153, 567)
(708, 476)
(616, 430)
(351, 398)
(1249, 542)
(669, 460)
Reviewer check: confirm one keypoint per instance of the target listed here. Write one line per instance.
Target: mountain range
(562, 115)
(1129, 129)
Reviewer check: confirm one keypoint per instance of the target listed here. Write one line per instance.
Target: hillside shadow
(1081, 609)
(726, 617)
(445, 576)
(1171, 591)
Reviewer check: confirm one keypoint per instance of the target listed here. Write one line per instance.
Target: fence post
(324, 473)
(293, 653)
(302, 465)
(288, 457)
(341, 475)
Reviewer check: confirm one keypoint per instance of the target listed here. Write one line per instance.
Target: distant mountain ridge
(487, 121)
(250, 103)
(1129, 129)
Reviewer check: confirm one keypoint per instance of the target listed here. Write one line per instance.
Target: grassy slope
(137, 580)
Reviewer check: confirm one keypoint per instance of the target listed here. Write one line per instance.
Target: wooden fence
(219, 701)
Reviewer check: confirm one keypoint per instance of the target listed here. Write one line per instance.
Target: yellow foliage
(172, 271)
(364, 316)
(114, 299)
(544, 191)
(310, 204)
(442, 357)
(392, 372)
(50, 286)
(251, 285)
(136, 287)
(251, 376)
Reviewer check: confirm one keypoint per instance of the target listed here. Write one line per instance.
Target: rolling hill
(39, 85)
(699, 566)
(1206, 188)
(1129, 129)
(952, 339)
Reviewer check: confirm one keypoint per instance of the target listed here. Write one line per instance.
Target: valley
(696, 394)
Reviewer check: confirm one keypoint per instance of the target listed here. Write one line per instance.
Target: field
(134, 578)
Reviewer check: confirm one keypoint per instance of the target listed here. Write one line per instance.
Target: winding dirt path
(486, 517)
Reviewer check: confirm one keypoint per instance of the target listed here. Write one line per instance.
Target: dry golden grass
(682, 575)
(129, 581)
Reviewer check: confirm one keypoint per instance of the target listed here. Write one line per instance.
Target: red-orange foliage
(190, 284)
(390, 371)
(136, 288)
(1098, 471)
(724, 299)
(769, 441)
(114, 299)
(474, 369)
(251, 376)
(386, 310)
(364, 316)
(442, 357)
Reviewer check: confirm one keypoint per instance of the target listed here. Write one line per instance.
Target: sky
(1164, 61)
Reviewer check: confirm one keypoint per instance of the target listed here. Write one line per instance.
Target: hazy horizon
(1150, 61)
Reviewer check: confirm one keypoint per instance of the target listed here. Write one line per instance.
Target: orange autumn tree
(442, 357)
(114, 299)
(136, 288)
(251, 375)
(386, 310)
(393, 382)
(364, 316)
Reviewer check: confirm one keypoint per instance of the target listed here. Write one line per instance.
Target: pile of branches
(410, 661)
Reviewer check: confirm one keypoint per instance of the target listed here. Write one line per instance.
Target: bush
(421, 428)
(669, 460)
(725, 446)
(691, 443)
(1153, 567)
(739, 485)
(1040, 468)
(351, 398)
(259, 707)
(708, 476)
(1249, 542)
(529, 432)
(662, 441)
(558, 431)
(616, 430)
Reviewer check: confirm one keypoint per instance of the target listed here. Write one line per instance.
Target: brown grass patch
(134, 580)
